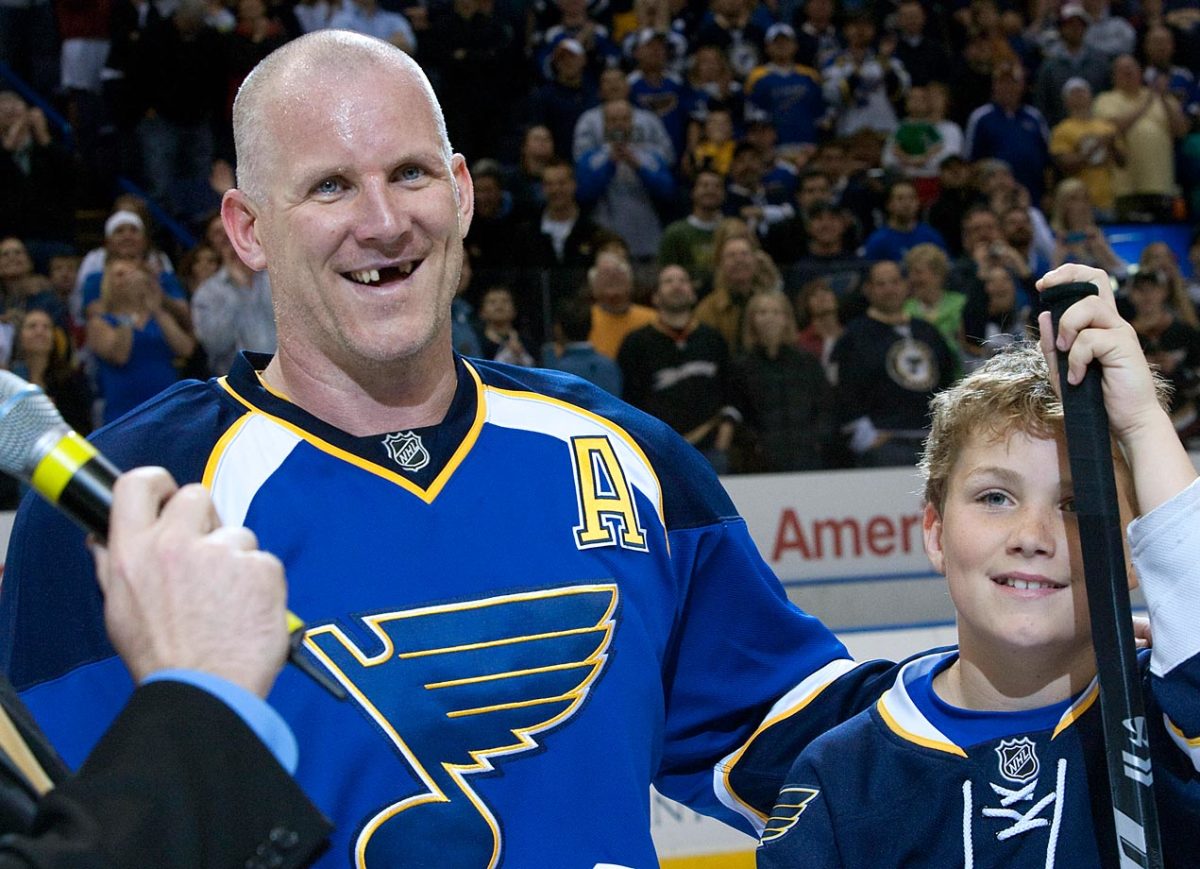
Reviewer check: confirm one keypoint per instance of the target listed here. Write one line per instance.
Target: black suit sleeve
(178, 782)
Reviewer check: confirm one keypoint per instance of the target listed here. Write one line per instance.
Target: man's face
(489, 196)
(813, 189)
(1072, 31)
(1007, 90)
(675, 293)
(737, 262)
(1078, 100)
(826, 228)
(1159, 46)
(911, 19)
(362, 222)
(886, 289)
(1018, 228)
(980, 228)
(708, 192)
(63, 271)
(618, 118)
(652, 57)
(127, 242)
(613, 85)
(558, 183)
(1127, 73)
(782, 50)
(14, 259)
(903, 204)
(612, 286)
(1000, 289)
(1007, 541)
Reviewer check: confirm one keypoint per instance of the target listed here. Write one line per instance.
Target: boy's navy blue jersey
(539, 607)
(891, 788)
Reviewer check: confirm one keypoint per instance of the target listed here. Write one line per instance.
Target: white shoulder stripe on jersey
(903, 717)
(248, 460)
(787, 705)
(529, 411)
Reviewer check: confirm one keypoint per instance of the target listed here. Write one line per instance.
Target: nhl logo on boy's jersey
(1018, 759)
(406, 450)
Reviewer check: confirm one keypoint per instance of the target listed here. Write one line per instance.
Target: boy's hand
(1091, 329)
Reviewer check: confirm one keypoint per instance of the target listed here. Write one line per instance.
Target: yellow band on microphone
(53, 472)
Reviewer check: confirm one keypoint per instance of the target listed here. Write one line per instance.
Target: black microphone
(66, 469)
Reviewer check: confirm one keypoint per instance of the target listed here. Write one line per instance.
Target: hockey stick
(1127, 748)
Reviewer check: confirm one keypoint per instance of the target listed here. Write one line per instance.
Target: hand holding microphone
(67, 470)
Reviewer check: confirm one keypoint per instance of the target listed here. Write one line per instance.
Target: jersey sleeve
(800, 829)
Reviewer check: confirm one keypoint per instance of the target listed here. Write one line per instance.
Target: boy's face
(1008, 544)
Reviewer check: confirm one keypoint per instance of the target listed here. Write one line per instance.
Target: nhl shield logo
(406, 450)
(1018, 759)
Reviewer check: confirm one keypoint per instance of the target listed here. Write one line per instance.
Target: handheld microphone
(67, 470)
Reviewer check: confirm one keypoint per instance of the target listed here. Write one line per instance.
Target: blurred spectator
(918, 146)
(1071, 58)
(983, 247)
(625, 181)
(561, 238)
(1158, 46)
(1158, 258)
(955, 196)
(714, 147)
(1109, 34)
(817, 317)
(653, 88)
(864, 86)
(463, 335)
(62, 269)
(524, 181)
(648, 130)
(1168, 343)
(787, 94)
(904, 228)
(1009, 130)
(134, 339)
(925, 59)
(41, 356)
(826, 254)
(314, 14)
(782, 389)
(747, 195)
(232, 312)
(1193, 283)
(782, 175)
(730, 27)
(489, 242)
(972, 77)
(572, 325)
(735, 279)
(1087, 147)
(181, 82)
(787, 240)
(1078, 239)
(29, 42)
(614, 315)
(1001, 192)
(255, 35)
(365, 16)
(888, 365)
(818, 41)
(558, 103)
(926, 267)
(677, 369)
(198, 265)
(36, 175)
(1017, 229)
(498, 335)
(599, 50)
(1150, 120)
(996, 320)
(711, 85)
(125, 239)
(689, 242)
(22, 289)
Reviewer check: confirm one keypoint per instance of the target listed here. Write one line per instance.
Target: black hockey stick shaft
(1101, 536)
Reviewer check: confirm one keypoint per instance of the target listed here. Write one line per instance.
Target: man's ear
(464, 192)
(931, 528)
(240, 217)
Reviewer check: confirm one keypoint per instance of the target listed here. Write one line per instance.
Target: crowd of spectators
(779, 226)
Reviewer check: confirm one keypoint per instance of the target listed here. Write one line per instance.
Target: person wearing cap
(125, 239)
(592, 37)
(653, 88)
(559, 103)
(1009, 129)
(1070, 57)
(1087, 147)
(786, 93)
(648, 130)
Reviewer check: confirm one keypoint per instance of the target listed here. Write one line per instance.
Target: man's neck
(562, 212)
(675, 321)
(823, 248)
(899, 225)
(393, 396)
(891, 318)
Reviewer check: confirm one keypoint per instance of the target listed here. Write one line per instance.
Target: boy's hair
(1011, 392)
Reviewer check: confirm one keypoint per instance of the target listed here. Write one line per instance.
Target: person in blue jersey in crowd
(992, 754)
(538, 598)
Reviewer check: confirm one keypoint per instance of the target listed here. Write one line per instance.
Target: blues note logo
(486, 677)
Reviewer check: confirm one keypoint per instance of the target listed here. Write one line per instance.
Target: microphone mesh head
(26, 414)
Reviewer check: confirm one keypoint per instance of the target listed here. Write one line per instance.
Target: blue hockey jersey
(892, 788)
(538, 607)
